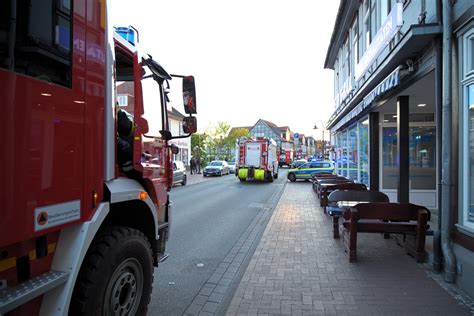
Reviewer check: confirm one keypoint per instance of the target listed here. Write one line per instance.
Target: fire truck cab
(80, 234)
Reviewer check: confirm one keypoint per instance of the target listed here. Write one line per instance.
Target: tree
(236, 134)
(216, 142)
(229, 141)
(198, 145)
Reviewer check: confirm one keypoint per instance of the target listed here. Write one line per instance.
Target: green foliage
(216, 142)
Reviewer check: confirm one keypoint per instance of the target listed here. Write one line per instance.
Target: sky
(251, 58)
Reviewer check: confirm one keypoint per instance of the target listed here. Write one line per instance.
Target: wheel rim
(125, 288)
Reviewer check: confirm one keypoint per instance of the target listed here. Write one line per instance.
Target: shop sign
(388, 30)
(179, 143)
(390, 82)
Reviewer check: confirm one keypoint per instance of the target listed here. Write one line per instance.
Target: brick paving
(299, 269)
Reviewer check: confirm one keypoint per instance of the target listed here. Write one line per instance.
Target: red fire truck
(256, 159)
(286, 156)
(79, 233)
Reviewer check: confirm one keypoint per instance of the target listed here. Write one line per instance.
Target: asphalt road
(207, 220)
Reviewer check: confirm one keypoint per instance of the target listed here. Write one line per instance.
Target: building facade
(399, 120)
(176, 127)
(283, 135)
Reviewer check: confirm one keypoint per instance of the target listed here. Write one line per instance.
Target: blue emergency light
(129, 33)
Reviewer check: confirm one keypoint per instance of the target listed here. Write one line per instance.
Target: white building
(176, 126)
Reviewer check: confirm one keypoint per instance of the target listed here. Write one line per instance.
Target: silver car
(216, 168)
(232, 166)
(179, 173)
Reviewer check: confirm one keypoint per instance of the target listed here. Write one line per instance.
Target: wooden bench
(394, 218)
(340, 200)
(326, 188)
(336, 180)
(322, 174)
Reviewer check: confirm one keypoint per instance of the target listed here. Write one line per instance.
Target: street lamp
(322, 130)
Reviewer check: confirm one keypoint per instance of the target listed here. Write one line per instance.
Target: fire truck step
(163, 256)
(10, 298)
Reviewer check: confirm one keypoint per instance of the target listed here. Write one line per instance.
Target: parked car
(305, 170)
(232, 166)
(216, 168)
(179, 173)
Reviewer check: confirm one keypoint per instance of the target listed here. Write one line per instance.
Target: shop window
(422, 151)
(471, 54)
(389, 157)
(344, 154)
(467, 184)
(364, 151)
(40, 46)
(352, 154)
(422, 158)
(412, 118)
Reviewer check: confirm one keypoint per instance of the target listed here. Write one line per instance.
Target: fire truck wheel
(292, 177)
(116, 276)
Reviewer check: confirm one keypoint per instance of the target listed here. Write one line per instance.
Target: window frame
(466, 78)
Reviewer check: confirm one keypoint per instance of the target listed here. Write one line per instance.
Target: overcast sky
(251, 58)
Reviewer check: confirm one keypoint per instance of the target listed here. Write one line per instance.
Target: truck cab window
(35, 39)
(152, 104)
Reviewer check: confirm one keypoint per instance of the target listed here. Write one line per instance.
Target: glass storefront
(389, 157)
(352, 152)
(344, 154)
(364, 152)
(422, 157)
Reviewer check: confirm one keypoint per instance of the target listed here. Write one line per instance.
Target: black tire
(204, 175)
(242, 180)
(116, 275)
(184, 180)
(292, 177)
(275, 176)
(269, 176)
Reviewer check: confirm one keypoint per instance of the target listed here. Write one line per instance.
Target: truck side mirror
(189, 125)
(174, 150)
(189, 95)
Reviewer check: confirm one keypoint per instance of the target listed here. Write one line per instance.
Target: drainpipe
(449, 258)
(438, 48)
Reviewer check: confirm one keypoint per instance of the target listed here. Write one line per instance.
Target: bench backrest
(334, 180)
(390, 211)
(322, 174)
(358, 196)
(346, 186)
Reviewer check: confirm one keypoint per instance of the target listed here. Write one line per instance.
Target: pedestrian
(198, 165)
(193, 165)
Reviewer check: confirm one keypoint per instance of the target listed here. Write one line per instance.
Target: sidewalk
(299, 269)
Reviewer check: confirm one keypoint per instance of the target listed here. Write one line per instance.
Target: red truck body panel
(54, 134)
